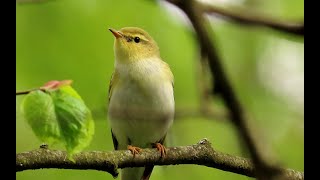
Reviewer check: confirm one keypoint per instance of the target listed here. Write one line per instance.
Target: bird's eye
(136, 39)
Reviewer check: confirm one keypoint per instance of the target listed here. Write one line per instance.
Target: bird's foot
(134, 150)
(161, 148)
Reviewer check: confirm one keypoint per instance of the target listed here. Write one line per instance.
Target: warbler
(141, 97)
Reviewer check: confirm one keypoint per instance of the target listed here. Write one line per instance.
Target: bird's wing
(115, 141)
(169, 74)
(114, 80)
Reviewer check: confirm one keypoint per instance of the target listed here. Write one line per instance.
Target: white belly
(141, 112)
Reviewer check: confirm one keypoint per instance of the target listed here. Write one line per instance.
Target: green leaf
(75, 119)
(57, 114)
(39, 112)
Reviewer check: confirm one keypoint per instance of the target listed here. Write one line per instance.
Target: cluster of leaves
(58, 115)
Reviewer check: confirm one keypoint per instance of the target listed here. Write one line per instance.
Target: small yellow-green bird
(141, 97)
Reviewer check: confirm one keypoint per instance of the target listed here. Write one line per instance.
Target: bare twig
(192, 10)
(200, 154)
(244, 16)
(27, 91)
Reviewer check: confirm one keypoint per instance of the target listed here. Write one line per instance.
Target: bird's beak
(116, 34)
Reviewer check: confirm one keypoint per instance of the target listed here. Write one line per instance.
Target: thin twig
(244, 16)
(200, 154)
(27, 91)
(192, 10)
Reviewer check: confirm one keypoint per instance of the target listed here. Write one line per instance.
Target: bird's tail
(141, 173)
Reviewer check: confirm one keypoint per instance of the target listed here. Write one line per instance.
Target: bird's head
(133, 44)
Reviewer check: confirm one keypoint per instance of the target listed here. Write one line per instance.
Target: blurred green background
(68, 39)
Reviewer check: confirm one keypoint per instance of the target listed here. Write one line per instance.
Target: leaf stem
(27, 91)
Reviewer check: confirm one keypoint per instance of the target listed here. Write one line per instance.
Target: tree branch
(193, 11)
(27, 91)
(248, 17)
(201, 154)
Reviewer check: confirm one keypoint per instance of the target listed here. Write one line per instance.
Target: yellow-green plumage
(141, 98)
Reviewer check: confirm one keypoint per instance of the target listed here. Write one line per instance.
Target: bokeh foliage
(69, 39)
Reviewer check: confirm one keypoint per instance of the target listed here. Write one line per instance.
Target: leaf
(39, 112)
(75, 119)
(57, 114)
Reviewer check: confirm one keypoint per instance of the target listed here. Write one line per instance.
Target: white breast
(141, 109)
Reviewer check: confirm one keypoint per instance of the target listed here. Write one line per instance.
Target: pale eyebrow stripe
(141, 36)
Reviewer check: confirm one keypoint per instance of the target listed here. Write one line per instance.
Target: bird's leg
(134, 150)
(160, 148)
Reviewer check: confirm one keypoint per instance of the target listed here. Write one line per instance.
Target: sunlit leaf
(57, 114)
(74, 118)
(38, 109)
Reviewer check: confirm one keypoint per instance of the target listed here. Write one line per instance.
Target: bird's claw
(134, 150)
(161, 148)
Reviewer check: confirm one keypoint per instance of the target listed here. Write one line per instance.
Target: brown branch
(22, 92)
(192, 10)
(27, 91)
(244, 16)
(200, 154)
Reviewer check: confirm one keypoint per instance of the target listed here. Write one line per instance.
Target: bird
(141, 97)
